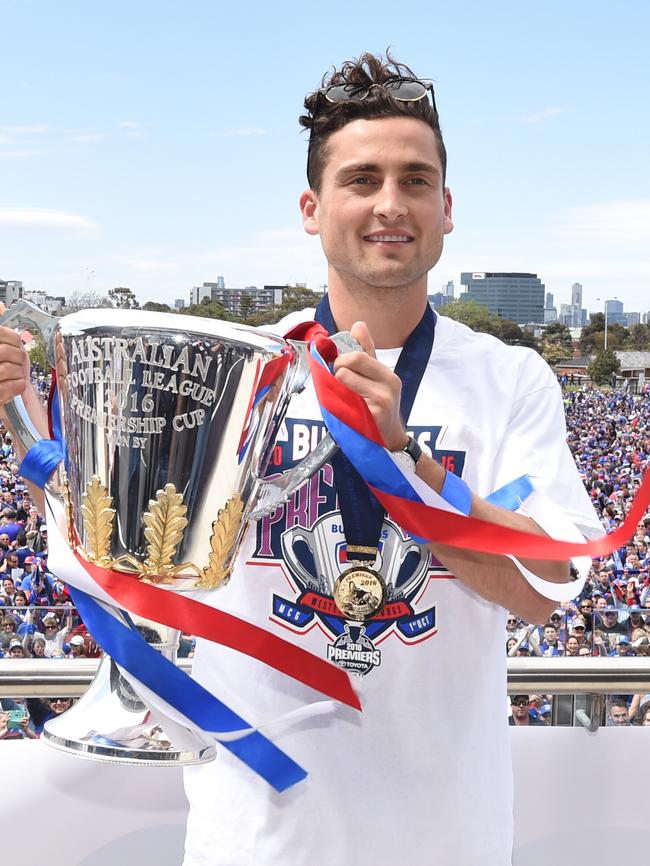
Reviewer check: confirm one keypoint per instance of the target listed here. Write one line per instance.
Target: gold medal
(359, 593)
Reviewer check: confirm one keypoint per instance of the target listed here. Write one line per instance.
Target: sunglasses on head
(402, 89)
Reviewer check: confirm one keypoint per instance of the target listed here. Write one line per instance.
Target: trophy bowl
(167, 423)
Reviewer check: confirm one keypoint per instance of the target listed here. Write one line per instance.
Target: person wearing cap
(16, 649)
(77, 647)
(521, 715)
(622, 647)
(609, 622)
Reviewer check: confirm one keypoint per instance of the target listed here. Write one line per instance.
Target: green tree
(554, 353)
(596, 325)
(602, 367)
(208, 309)
(479, 318)
(639, 338)
(123, 298)
(155, 307)
(38, 353)
(246, 306)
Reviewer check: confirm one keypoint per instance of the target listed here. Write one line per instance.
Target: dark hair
(323, 117)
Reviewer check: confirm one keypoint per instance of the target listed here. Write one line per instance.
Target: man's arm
(15, 382)
(495, 578)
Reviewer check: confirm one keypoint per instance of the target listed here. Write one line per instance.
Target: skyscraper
(519, 297)
(576, 295)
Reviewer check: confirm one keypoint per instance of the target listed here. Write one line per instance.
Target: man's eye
(417, 181)
(364, 181)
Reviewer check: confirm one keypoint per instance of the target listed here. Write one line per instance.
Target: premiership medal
(359, 593)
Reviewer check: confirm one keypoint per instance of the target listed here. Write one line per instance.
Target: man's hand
(14, 365)
(362, 373)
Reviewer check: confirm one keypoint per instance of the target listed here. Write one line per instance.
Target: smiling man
(415, 778)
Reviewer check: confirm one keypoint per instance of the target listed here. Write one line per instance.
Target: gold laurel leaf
(164, 524)
(225, 530)
(98, 516)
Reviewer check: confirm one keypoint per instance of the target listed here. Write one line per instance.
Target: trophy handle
(272, 492)
(24, 313)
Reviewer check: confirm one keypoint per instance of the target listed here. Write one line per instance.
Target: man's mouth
(388, 239)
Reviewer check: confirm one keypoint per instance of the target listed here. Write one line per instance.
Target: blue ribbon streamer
(45, 455)
(129, 650)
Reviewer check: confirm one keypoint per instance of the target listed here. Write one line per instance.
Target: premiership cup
(168, 423)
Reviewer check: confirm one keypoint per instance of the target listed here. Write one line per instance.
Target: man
(521, 712)
(404, 780)
(551, 645)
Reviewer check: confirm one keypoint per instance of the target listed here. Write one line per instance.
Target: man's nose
(390, 204)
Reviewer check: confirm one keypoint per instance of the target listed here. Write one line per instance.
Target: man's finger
(363, 337)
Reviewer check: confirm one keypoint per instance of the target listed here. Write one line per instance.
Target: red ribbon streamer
(178, 611)
(444, 527)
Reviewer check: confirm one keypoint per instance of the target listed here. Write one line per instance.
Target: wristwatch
(408, 457)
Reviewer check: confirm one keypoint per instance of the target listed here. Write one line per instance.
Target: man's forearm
(495, 578)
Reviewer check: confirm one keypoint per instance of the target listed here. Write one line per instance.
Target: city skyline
(158, 147)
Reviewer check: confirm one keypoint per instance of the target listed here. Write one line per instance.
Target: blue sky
(156, 144)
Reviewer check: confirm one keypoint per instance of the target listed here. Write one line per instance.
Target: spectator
(521, 715)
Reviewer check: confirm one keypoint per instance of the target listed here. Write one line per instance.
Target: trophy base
(110, 723)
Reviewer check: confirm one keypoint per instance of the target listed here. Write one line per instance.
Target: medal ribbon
(355, 431)
(362, 514)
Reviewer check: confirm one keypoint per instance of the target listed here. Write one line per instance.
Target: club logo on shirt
(307, 535)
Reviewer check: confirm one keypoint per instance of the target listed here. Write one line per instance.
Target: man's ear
(309, 211)
(448, 222)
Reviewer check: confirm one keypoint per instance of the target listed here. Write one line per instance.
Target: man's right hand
(14, 365)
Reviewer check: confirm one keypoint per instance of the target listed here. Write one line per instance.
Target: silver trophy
(169, 422)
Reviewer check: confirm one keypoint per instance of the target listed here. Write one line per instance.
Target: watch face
(404, 461)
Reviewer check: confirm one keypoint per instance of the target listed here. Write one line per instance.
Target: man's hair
(324, 117)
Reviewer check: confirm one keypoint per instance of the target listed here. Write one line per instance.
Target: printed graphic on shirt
(307, 534)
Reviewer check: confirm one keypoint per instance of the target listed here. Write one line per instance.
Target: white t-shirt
(423, 775)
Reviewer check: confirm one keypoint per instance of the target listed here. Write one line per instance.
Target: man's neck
(391, 314)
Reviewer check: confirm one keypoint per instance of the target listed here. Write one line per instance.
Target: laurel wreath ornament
(98, 516)
(225, 530)
(164, 524)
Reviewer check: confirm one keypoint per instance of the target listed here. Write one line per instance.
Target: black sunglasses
(402, 89)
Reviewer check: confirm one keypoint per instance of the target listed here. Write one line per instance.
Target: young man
(415, 777)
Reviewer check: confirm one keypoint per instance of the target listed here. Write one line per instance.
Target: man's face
(619, 715)
(8, 586)
(610, 618)
(520, 707)
(550, 635)
(4, 540)
(12, 560)
(382, 211)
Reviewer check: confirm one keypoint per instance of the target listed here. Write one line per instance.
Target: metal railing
(34, 678)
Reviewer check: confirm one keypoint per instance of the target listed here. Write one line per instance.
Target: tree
(208, 309)
(155, 307)
(85, 301)
(38, 353)
(595, 326)
(123, 298)
(639, 338)
(246, 306)
(557, 343)
(479, 318)
(602, 367)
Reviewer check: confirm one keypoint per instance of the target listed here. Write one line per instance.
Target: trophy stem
(111, 722)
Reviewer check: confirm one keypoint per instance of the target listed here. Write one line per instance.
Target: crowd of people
(609, 436)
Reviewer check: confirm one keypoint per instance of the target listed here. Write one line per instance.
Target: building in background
(632, 319)
(614, 310)
(179, 304)
(50, 304)
(550, 311)
(240, 302)
(10, 291)
(515, 296)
